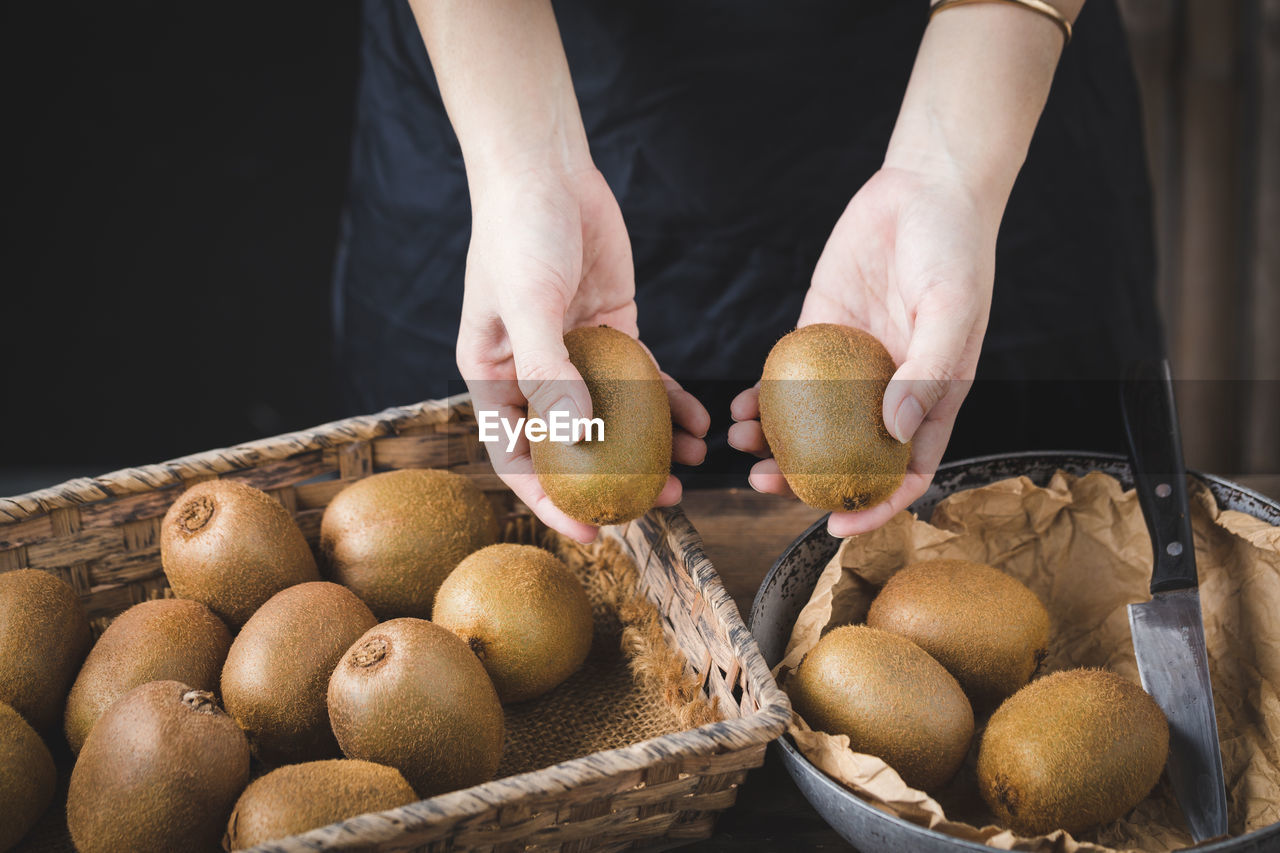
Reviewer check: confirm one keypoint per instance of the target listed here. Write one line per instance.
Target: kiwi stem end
(201, 701)
(196, 513)
(370, 652)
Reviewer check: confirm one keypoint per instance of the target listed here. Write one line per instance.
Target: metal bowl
(787, 587)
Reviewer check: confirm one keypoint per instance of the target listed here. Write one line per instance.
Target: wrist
(924, 149)
(503, 178)
(980, 80)
(517, 152)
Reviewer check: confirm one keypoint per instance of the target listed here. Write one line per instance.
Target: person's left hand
(911, 261)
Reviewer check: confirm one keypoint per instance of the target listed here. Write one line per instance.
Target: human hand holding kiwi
(525, 287)
(911, 263)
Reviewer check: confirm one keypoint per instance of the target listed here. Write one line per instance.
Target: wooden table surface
(743, 532)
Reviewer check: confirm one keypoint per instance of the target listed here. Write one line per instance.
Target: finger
(623, 319)
(818, 307)
(691, 421)
(503, 453)
(937, 364)
(765, 477)
(670, 494)
(492, 395)
(686, 449)
(686, 410)
(748, 437)
(926, 452)
(853, 523)
(746, 406)
(515, 468)
(547, 378)
(931, 442)
(552, 516)
(521, 480)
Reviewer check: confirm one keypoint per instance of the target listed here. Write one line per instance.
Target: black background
(173, 181)
(172, 189)
(173, 176)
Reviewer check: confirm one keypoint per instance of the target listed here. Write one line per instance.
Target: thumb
(547, 379)
(935, 365)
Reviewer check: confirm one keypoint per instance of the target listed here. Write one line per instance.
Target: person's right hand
(549, 253)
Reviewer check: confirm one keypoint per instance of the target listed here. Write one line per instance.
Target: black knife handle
(1155, 452)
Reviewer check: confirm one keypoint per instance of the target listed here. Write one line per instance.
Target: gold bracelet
(1037, 6)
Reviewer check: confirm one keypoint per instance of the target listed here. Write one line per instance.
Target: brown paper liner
(1081, 545)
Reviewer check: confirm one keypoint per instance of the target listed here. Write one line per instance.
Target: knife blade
(1168, 630)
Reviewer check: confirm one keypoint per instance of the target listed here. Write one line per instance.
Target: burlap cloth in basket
(632, 687)
(1081, 545)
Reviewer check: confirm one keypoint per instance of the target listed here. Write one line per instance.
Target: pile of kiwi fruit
(283, 690)
(949, 645)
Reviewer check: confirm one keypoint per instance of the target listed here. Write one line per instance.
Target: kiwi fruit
(984, 626)
(44, 635)
(1073, 750)
(393, 537)
(27, 777)
(890, 698)
(619, 477)
(821, 402)
(524, 614)
(168, 639)
(159, 772)
(231, 547)
(411, 695)
(277, 673)
(301, 797)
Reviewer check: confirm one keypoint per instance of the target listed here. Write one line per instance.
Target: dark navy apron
(733, 133)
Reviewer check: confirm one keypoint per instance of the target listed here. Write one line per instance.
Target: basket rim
(222, 460)
(514, 790)
(684, 540)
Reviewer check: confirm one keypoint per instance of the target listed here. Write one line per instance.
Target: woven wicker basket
(102, 536)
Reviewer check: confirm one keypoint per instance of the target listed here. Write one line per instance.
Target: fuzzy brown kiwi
(523, 613)
(168, 639)
(411, 695)
(300, 797)
(890, 698)
(618, 478)
(393, 537)
(983, 625)
(1073, 750)
(277, 673)
(44, 635)
(159, 772)
(27, 777)
(231, 547)
(821, 401)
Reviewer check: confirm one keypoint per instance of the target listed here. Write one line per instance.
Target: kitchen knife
(1168, 632)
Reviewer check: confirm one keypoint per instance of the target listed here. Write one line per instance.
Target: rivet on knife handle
(1151, 421)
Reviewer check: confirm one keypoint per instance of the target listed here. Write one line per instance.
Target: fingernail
(567, 405)
(908, 419)
(728, 437)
